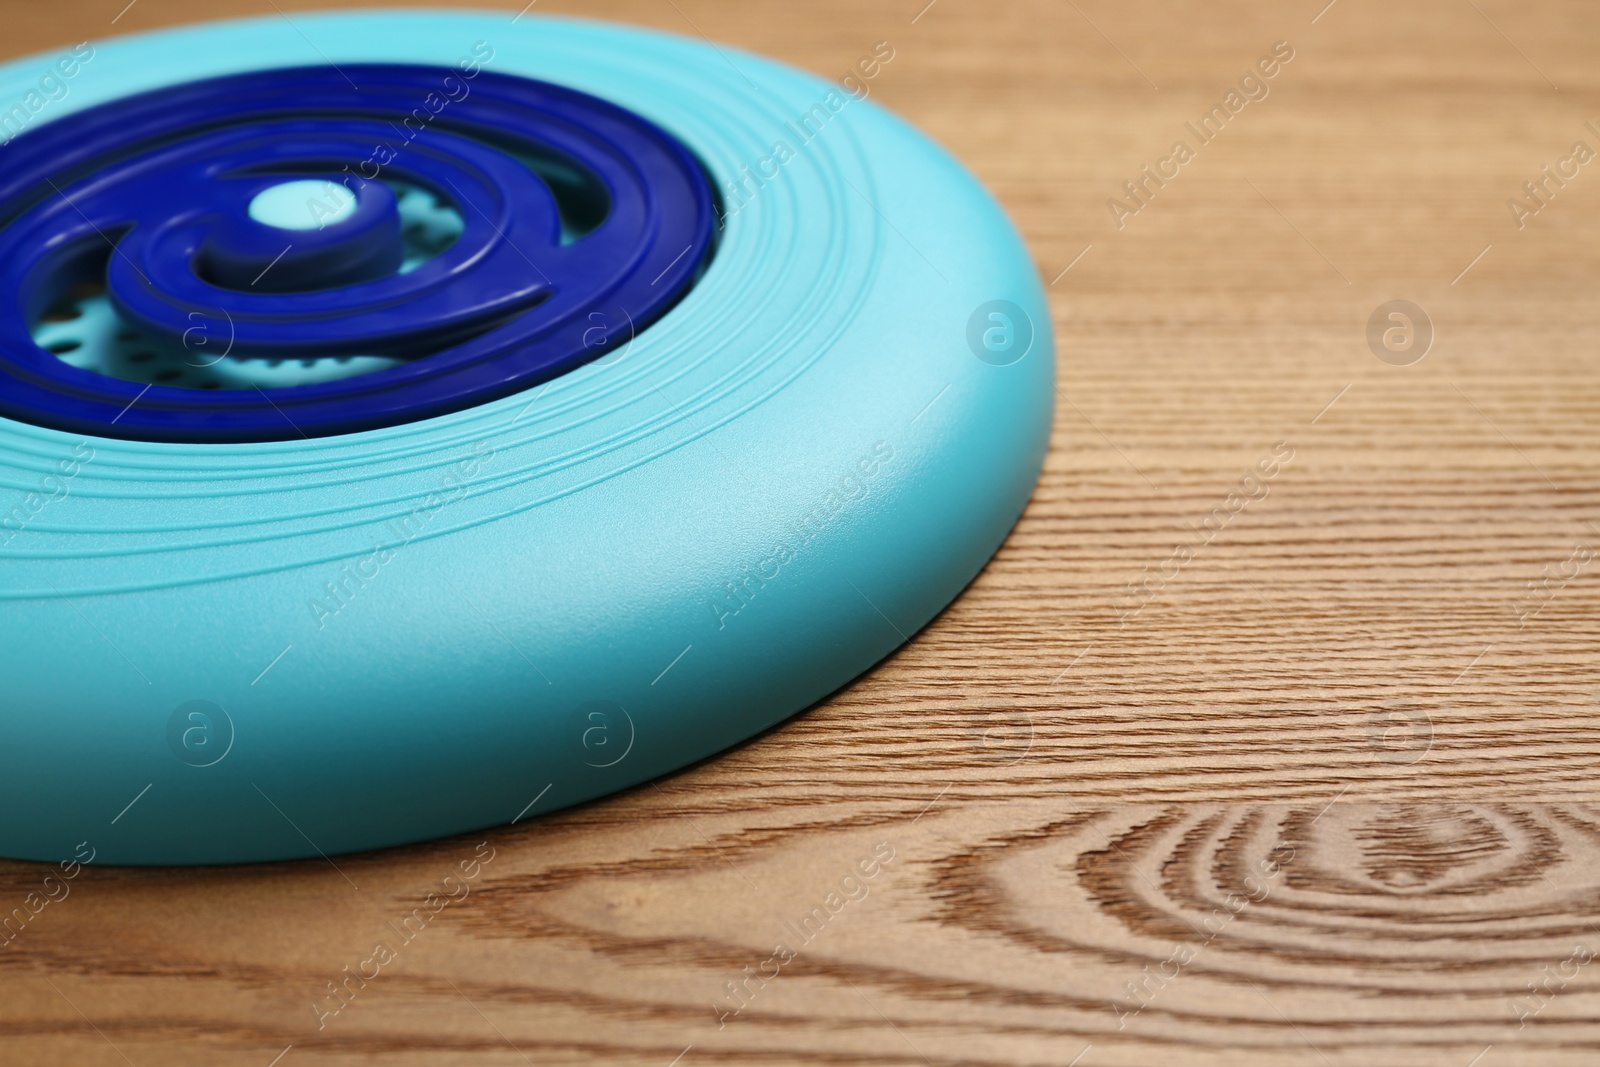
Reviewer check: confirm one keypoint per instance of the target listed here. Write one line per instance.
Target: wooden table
(1317, 788)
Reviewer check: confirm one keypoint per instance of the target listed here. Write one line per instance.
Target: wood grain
(1326, 797)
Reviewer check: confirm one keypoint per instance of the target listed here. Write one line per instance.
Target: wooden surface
(1327, 797)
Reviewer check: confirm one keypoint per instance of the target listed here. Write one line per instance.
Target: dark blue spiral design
(164, 180)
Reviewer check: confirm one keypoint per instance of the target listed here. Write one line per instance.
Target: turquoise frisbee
(548, 512)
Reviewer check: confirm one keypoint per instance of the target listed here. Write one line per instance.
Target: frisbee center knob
(303, 235)
(303, 205)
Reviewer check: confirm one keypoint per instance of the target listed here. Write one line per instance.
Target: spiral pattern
(159, 194)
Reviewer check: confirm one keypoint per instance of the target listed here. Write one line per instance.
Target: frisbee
(417, 422)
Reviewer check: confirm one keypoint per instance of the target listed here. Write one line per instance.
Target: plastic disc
(623, 396)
